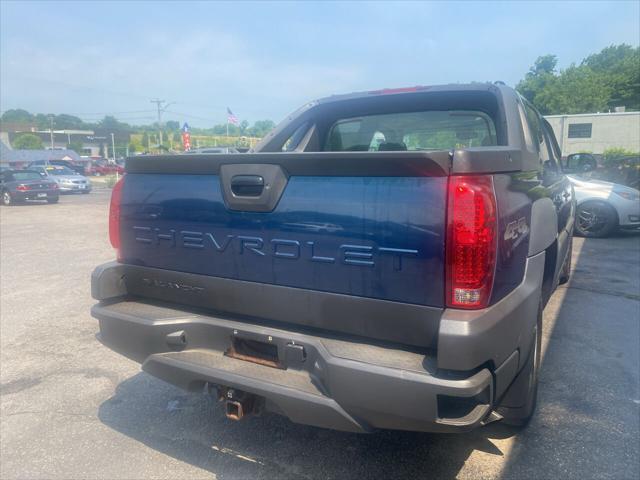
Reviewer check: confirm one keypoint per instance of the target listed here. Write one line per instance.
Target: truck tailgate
(362, 225)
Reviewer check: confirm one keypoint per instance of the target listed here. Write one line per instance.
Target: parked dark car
(382, 261)
(78, 168)
(18, 186)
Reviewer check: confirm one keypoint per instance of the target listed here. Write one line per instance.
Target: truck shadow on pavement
(193, 429)
(586, 425)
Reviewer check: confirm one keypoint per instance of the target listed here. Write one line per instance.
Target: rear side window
(429, 130)
(534, 126)
(296, 137)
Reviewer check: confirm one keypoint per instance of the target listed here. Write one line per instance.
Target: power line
(189, 115)
(162, 107)
(109, 113)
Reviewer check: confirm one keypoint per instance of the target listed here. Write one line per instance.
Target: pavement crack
(611, 293)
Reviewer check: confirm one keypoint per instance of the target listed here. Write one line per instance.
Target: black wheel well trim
(550, 260)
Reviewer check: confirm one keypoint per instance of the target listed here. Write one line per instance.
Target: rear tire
(519, 402)
(596, 219)
(53, 200)
(7, 199)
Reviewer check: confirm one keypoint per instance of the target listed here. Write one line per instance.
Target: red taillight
(23, 188)
(471, 241)
(114, 215)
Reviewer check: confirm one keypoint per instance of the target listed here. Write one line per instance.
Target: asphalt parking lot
(71, 408)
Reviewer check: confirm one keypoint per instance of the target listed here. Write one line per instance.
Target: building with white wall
(596, 132)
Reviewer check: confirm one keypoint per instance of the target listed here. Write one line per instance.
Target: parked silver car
(604, 207)
(68, 181)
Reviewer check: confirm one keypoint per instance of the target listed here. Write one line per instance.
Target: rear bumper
(327, 383)
(74, 188)
(34, 195)
(344, 384)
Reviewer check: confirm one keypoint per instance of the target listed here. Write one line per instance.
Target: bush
(28, 141)
(619, 166)
(613, 157)
(110, 181)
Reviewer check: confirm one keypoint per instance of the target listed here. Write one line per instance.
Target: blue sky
(265, 59)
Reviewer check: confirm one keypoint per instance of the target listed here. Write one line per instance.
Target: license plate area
(42, 195)
(255, 351)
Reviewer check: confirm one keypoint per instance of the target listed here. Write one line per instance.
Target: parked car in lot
(388, 271)
(77, 168)
(68, 181)
(604, 207)
(18, 186)
(213, 150)
(100, 168)
(623, 170)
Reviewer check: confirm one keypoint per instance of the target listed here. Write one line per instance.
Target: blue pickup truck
(381, 260)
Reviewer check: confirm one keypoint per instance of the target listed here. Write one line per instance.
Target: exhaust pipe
(238, 404)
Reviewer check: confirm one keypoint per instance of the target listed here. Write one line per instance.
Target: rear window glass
(430, 130)
(60, 171)
(22, 176)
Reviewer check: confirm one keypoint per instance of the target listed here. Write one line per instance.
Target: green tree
(576, 90)
(65, 121)
(28, 141)
(172, 125)
(538, 77)
(42, 121)
(261, 128)
(619, 66)
(110, 123)
(76, 146)
(16, 115)
(132, 148)
(243, 127)
(145, 140)
(602, 81)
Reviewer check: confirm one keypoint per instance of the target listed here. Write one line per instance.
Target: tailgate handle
(247, 185)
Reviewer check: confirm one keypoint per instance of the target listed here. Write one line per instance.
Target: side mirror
(42, 174)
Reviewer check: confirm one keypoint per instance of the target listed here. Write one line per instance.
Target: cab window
(412, 131)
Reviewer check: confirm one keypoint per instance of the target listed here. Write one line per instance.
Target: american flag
(231, 118)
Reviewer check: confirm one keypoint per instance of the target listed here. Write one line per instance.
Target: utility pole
(113, 153)
(51, 130)
(113, 148)
(162, 107)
